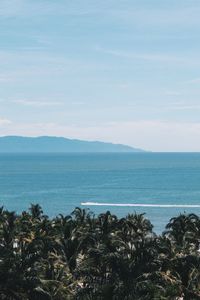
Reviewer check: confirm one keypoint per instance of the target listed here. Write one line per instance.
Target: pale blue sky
(123, 71)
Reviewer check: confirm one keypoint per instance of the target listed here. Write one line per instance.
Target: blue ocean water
(60, 182)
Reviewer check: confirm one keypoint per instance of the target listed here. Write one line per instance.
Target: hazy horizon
(124, 72)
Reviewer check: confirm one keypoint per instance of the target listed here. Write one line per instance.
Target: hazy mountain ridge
(50, 144)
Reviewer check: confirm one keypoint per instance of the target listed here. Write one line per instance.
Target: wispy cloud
(150, 57)
(173, 93)
(10, 8)
(186, 107)
(130, 11)
(5, 78)
(37, 103)
(27, 8)
(123, 86)
(163, 14)
(4, 121)
(195, 80)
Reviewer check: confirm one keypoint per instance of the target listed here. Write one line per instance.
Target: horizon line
(141, 205)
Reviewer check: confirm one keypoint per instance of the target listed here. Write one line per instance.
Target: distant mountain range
(48, 144)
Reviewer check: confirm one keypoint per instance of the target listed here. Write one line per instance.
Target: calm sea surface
(60, 182)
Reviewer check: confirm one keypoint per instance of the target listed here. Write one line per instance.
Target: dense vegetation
(82, 256)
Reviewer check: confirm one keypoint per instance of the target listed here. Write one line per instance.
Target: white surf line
(141, 205)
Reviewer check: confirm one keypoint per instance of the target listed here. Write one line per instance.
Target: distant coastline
(52, 144)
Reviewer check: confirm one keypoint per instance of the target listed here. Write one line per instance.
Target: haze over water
(60, 182)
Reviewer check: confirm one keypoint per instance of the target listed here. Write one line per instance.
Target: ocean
(161, 185)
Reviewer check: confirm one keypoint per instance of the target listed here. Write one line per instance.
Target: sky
(122, 71)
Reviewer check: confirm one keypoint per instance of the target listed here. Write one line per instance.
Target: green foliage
(82, 256)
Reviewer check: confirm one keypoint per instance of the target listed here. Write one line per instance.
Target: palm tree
(36, 211)
(81, 256)
(184, 230)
